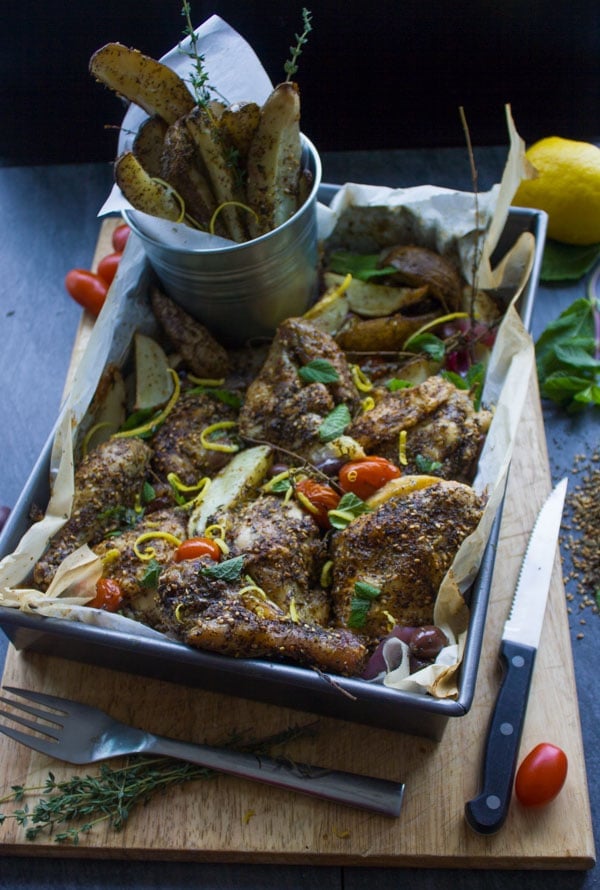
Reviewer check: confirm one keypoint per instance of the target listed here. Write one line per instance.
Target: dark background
(375, 75)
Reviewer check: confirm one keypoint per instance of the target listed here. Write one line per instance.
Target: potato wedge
(240, 122)
(387, 334)
(143, 192)
(274, 160)
(182, 167)
(375, 300)
(148, 144)
(153, 383)
(142, 80)
(246, 471)
(215, 155)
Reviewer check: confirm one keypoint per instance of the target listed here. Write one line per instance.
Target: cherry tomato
(108, 265)
(120, 236)
(365, 476)
(109, 595)
(87, 289)
(322, 497)
(541, 775)
(195, 547)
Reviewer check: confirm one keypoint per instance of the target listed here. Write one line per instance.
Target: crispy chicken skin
(201, 353)
(283, 409)
(284, 553)
(177, 446)
(212, 614)
(440, 422)
(403, 548)
(107, 479)
(124, 566)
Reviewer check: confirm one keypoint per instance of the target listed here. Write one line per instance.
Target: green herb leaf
(361, 603)
(229, 570)
(427, 343)
(351, 506)
(291, 66)
(319, 370)
(148, 493)
(335, 423)
(151, 575)
(567, 262)
(397, 383)
(281, 486)
(364, 267)
(425, 465)
(226, 396)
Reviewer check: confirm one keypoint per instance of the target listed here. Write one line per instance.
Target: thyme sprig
(199, 77)
(111, 795)
(291, 66)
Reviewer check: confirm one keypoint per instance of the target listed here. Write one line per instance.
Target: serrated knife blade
(487, 812)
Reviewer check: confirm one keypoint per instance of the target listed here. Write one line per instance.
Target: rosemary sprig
(291, 66)
(112, 794)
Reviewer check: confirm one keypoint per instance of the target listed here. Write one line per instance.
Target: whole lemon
(567, 188)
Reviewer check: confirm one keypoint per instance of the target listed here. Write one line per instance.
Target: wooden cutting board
(226, 820)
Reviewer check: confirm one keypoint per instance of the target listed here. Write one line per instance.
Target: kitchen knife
(487, 812)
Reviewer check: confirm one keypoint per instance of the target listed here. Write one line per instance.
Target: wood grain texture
(225, 820)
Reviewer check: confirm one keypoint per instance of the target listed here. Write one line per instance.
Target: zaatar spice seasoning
(581, 541)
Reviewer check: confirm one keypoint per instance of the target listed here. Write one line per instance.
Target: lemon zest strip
(160, 418)
(216, 446)
(402, 448)
(213, 219)
(205, 381)
(432, 324)
(361, 381)
(88, 436)
(149, 552)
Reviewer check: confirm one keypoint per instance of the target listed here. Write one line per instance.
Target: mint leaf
(567, 262)
(361, 603)
(351, 505)
(361, 266)
(335, 423)
(229, 570)
(319, 371)
(364, 589)
(427, 343)
(426, 465)
(152, 574)
(397, 383)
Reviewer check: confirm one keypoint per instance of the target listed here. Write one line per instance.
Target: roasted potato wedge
(143, 191)
(142, 80)
(210, 143)
(386, 334)
(148, 144)
(240, 123)
(375, 300)
(274, 160)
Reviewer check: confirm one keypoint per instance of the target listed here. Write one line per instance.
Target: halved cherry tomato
(195, 547)
(321, 498)
(367, 475)
(109, 595)
(108, 265)
(120, 236)
(87, 289)
(541, 775)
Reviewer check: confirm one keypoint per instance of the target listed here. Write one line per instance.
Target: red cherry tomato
(195, 547)
(109, 595)
(365, 476)
(120, 236)
(322, 499)
(87, 289)
(108, 265)
(541, 775)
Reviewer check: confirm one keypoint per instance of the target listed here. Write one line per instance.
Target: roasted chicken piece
(219, 616)
(403, 549)
(202, 355)
(284, 554)
(280, 407)
(444, 432)
(178, 445)
(131, 571)
(107, 482)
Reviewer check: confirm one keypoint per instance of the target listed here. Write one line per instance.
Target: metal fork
(78, 733)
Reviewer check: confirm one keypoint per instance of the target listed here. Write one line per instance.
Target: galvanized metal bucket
(244, 291)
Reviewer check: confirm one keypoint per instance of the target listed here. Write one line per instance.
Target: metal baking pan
(303, 689)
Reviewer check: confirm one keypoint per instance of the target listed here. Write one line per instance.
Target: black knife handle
(486, 812)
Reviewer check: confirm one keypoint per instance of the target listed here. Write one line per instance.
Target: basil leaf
(335, 423)
(319, 371)
(229, 570)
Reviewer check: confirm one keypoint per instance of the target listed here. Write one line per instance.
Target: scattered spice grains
(582, 535)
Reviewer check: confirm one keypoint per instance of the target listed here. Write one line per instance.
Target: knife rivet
(492, 802)
(506, 728)
(518, 661)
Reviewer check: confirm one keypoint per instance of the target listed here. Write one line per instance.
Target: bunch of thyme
(112, 794)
